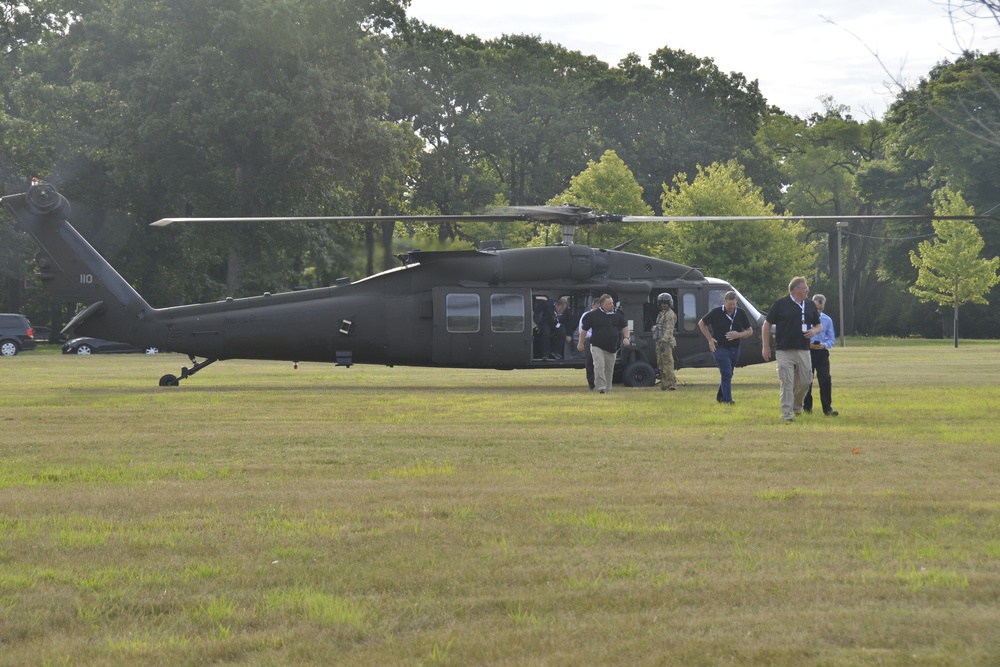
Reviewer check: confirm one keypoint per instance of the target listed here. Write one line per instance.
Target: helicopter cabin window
(689, 307)
(462, 313)
(507, 313)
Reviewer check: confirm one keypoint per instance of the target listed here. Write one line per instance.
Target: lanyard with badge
(803, 307)
(732, 319)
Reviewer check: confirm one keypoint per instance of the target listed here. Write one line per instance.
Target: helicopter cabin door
(482, 327)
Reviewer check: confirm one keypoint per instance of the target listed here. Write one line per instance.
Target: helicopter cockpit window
(507, 313)
(462, 313)
(716, 298)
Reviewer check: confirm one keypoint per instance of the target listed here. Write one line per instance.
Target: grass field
(376, 516)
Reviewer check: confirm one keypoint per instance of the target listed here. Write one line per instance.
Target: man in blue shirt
(819, 351)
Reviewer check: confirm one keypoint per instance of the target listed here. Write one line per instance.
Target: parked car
(16, 334)
(42, 334)
(100, 346)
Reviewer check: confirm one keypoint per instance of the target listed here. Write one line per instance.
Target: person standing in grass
(607, 326)
(585, 338)
(796, 322)
(729, 324)
(663, 336)
(819, 353)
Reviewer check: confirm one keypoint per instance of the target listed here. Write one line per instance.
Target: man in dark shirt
(555, 327)
(796, 320)
(604, 325)
(729, 324)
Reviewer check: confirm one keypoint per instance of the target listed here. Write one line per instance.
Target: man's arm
(747, 331)
(829, 338)
(707, 335)
(765, 337)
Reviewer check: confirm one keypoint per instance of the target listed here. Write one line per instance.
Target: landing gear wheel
(173, 380)
(639, 374)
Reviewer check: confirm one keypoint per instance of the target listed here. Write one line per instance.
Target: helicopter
(458, 309)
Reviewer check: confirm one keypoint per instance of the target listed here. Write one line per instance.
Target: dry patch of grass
(372, 516)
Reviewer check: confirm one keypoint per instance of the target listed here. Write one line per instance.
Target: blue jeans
(726, 358)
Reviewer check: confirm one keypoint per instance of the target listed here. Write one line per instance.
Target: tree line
(142, 109)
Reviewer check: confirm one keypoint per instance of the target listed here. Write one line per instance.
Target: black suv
(15, 334)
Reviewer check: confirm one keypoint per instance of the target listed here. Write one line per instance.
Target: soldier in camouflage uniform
(663, 336)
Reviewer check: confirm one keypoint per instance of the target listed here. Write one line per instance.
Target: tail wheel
(169, 381)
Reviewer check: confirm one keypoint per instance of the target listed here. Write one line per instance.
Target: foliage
(608, 186)
(941, 123)
(759, 256)
(950, 270)
(820, 160)
(678, 112)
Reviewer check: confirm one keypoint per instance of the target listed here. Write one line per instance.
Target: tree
(239, 107)
(820, 160)
(610, 187)
(759, 256)
(924, 153)
(531, 125)
(24, 26)
(679, 112)
(950, 269)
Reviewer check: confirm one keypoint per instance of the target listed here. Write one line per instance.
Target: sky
(797, 50)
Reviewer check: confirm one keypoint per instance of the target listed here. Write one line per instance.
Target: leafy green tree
(679, 112)
(934, 140)
(950, 270)
(532, 124)
(820, 160)
(759, 257)
(949, 119)
(241, 107)
(25, 28)
(503, 122)
(438, 81)
(608, 186)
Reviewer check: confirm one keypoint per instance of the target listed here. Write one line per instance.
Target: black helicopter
(460, 309)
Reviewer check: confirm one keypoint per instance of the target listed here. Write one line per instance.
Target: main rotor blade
(570, 215)
(163, 222)
(791, 218)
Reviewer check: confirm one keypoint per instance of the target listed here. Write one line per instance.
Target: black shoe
(729, 402)
(830, 413)
(808, 411)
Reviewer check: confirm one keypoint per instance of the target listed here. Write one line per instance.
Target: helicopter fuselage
(466, 309)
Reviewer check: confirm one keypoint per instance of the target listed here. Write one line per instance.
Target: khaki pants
(604, 368)
(795, 373)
